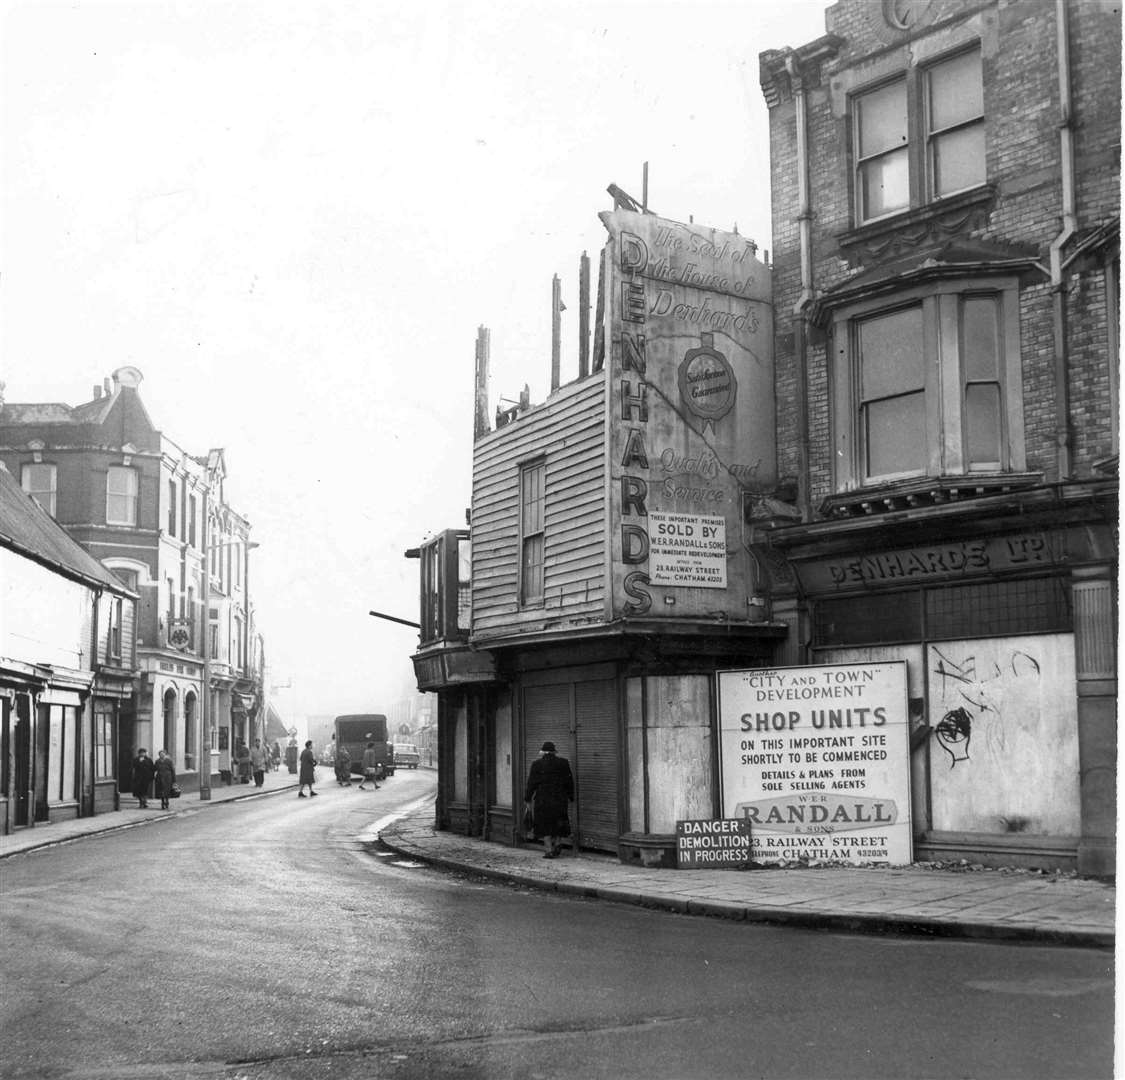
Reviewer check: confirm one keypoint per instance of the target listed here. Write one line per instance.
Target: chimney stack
(97, 392)
(105, 386)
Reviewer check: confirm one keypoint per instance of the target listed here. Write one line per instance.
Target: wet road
(265, 940)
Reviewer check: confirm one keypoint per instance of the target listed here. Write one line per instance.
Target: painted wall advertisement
(690, 423)
(817, 759)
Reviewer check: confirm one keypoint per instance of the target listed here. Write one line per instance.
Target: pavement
(935, 900)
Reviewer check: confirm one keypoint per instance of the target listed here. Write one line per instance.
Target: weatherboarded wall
(568, 435)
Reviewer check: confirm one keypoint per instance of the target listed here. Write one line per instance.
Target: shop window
(930, 387)
(532, 478)
(868, 620)
(121, 496)
(919, 138)
(1034, 606)
(190, 731)
(41, 483)
(104, 753)
(62, 754)
(944, 613)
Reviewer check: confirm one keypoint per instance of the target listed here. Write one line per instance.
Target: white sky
(292, 217)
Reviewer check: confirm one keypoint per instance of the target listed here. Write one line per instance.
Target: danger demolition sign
(719, 842)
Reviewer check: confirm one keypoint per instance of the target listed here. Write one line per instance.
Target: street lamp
(205, 724)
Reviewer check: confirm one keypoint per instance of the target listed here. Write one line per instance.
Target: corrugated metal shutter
(546, 715)
(595, 708)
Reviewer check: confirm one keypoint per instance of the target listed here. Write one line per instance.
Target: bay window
(930, 386)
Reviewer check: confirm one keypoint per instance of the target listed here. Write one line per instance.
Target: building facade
(609, 575)
(67, 666)
(945, 183)
(158, 518)
(896, 446)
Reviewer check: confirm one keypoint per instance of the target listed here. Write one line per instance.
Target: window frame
(52, 492)
(921, 137)
(132, 496)
(944, 351)
(531, 576)
(864, 402)
(171, 506)
(931, 136)
(859, 161)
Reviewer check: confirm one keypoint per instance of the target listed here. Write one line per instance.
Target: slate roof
(25, 527)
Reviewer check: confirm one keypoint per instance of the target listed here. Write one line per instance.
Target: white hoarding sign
(689, 550)
(818, 760)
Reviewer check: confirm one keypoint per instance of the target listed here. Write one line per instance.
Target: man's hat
(548, 747)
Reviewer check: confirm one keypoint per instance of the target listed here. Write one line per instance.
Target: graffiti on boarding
(984, 691)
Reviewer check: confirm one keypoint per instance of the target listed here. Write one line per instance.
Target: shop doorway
(126, 747)
(580, 717)
(21, 753)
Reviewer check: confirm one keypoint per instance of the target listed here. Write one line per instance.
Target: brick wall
(1022, 110)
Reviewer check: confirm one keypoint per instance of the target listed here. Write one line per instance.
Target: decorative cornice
(933, 224)
(779, 69)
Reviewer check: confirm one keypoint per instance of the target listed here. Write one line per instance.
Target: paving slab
(972, 904)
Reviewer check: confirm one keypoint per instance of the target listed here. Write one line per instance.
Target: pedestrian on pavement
(343, 764)
(370, 767)
(307, 777)
(259, 762)
(143, 772)
(275, 755)
(165, 777)
(550, 788)
(244, 765)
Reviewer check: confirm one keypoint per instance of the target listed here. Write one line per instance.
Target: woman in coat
(307, 776)
(143, 771)
(165, 777)
(550, 789)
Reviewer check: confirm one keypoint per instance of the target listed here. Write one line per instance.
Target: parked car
(407, 756)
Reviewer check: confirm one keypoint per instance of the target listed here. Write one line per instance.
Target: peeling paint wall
(670, 743)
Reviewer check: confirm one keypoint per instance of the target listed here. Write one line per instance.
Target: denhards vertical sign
(818, 760)
(691, 414)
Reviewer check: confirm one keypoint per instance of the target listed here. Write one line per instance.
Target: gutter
(1069, 227)
(800, 308)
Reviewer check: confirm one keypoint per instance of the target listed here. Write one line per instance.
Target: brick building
(946, 286)
(893, 451)
(154, 515)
